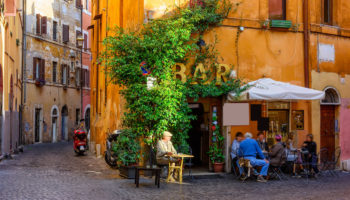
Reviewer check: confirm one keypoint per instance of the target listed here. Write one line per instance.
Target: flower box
(280, 24)
(39, 82)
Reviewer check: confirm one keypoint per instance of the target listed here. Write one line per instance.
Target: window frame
(330, 16)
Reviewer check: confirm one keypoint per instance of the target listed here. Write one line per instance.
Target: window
(41, 24)
(64, 74)
(87, 78)
(54, 72)
(54, 31)
(85, 41)
(87, 4)
(327, 12)
(38, 69)
(77, 34)
(77, 116)
(77, 77)
(277, 9)
(65, 35)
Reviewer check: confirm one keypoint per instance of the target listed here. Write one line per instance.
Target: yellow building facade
(299, 42)
(10, 75)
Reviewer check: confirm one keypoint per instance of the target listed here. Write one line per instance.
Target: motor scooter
(80, 142)
(110, 155)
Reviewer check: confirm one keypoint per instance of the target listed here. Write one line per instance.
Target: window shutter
(87, 77)
(68, 71)
(38, 32)
(65, 33)
(85, 41)
(42, 69)
(61, 72)
(44, 25)
(34, 68)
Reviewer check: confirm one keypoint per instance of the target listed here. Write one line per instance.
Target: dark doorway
(87, 119)
(199, 136)
(64, 130)
(37, 125)
(328, 129)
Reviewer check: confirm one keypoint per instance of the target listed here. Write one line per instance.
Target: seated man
(250, 150)
(234, 151)
(165, 149)
(277, 153)
(262, 142)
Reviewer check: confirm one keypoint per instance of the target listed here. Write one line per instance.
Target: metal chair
(188, 163)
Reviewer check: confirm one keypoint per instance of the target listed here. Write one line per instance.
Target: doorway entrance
(54, 116)
(87, 119)
(64, 130)
(37, 125)
(328, 107)
(200, 133)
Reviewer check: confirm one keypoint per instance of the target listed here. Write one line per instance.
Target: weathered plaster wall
(11, 62)
(43, 46)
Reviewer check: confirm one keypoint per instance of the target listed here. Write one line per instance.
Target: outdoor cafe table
(177, 167)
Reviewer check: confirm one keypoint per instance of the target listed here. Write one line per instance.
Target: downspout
(81, 65)
(306, 43)
(24, 52)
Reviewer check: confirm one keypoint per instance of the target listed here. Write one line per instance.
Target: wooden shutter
(65, 33)
(85, 41)
(61, 73)
(44, 25)
(68, 71)
(34, 68)
(38, 25)
(42, 69)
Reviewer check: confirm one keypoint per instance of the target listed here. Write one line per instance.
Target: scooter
(80, 142)
(110, 156)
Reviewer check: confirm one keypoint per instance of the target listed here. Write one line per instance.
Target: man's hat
(167, 134)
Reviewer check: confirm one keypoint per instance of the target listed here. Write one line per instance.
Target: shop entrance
(279, 121)
(200, 133)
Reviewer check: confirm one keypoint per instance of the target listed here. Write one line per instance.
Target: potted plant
(127, 149)
(216, 155)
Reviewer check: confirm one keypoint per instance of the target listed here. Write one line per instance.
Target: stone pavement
(52, 171)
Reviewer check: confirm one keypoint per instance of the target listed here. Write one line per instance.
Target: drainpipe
(23, 90)
(81, 65)
(306, 43)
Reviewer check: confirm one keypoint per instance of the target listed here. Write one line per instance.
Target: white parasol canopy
(268, 89)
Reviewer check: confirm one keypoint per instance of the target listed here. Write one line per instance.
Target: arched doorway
(328, 121)
(64, 130)
(87, 119)
(54, 116)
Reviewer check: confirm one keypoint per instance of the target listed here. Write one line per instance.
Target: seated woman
(277, 153)
(310, 147)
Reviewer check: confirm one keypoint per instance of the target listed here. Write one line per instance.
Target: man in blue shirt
(250, 150)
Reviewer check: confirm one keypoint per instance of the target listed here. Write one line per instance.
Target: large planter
(127, 172)
(218, 167)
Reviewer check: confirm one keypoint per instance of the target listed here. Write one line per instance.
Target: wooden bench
(154, 170)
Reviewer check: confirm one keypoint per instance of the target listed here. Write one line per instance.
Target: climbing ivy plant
(157, 47)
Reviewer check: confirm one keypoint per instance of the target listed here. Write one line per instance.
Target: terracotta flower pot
(218, 167)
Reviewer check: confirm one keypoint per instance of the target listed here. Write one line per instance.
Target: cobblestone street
(52, 171)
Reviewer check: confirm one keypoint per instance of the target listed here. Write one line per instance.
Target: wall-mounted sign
(221, 74)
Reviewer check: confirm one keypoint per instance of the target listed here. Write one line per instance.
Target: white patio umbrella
(268, 89)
